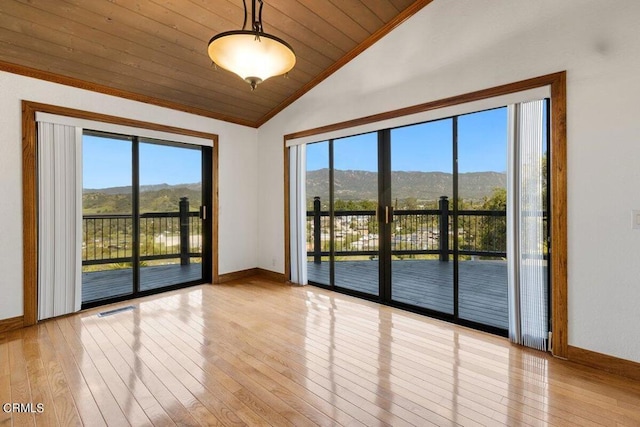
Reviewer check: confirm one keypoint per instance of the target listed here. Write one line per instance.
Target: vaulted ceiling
(155, 51)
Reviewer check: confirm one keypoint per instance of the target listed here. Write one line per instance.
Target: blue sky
(107, 163)
(482, 142)
(482, 146)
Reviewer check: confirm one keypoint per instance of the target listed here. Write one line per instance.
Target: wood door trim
(30, 199)
(558, 179)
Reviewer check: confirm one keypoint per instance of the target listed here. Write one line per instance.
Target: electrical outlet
(635, 214)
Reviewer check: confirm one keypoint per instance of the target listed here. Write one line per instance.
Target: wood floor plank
(5, 380)
(225, 337)
(5, 397)
(129, 376)
(459, 374)
(259, 353)
(165, 398)
(80, 391)
(118, 388)
(48, 386)
(472, 373)
(356, 375)
(185, 396)
(20, 386)
(200, 359)
(66, 410)
(439, 421)
(107, 403)
(261, 394)
(227, 410)
(280, 387)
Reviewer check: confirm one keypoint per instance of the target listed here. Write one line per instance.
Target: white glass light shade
(255, 59)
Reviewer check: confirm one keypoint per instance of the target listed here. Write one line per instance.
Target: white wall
(454, 47)
(237, 173)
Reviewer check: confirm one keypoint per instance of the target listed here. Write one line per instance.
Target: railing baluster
(317, 234)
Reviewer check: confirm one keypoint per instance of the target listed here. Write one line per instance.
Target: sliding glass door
(107, 217)
(342, 224)
(482, 218)
(416, 216)
(421, 188)
(145, 222)
(170, 196)
(355, 225)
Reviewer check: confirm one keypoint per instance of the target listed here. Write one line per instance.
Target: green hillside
(159, 198)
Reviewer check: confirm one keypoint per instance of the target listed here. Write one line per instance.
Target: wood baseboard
(227, 277)
(242, 274)
(11, 324)
(611, 364)
(271, 275)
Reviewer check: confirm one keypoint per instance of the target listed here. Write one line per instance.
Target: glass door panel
(318, 227)
(482, 221)
(355, 203)
(170, 196)
(421, 194)
(107, 217)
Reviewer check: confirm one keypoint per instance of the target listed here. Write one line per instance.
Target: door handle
(203, 212)
(387, 216)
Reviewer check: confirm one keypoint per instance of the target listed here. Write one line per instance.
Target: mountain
(427, 186)
(143, 188)
(349, 185)
(153, 198)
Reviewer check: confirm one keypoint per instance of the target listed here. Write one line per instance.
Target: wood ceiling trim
(389, 26)
(95, 87)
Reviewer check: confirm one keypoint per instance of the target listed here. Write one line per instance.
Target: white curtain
(527, 269)
(59, 219)
(298, 213)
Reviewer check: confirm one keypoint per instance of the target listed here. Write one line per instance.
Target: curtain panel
(298, 213)
(527, 267)
(59, 150)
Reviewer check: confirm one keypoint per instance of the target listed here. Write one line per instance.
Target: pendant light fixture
(252, 54)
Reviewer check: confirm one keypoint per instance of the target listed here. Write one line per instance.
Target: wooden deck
(257, 353)
(429, 284)
(423, 283)
(112, 283)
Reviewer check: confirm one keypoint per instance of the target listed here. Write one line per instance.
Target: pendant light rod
(244, 23)
(260, 28)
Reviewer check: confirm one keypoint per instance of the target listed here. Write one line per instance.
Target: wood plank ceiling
(155, 51)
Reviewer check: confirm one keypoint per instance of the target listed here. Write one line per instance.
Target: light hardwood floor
(255, 352)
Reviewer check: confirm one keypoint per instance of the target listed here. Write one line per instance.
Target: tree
(493, 229)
